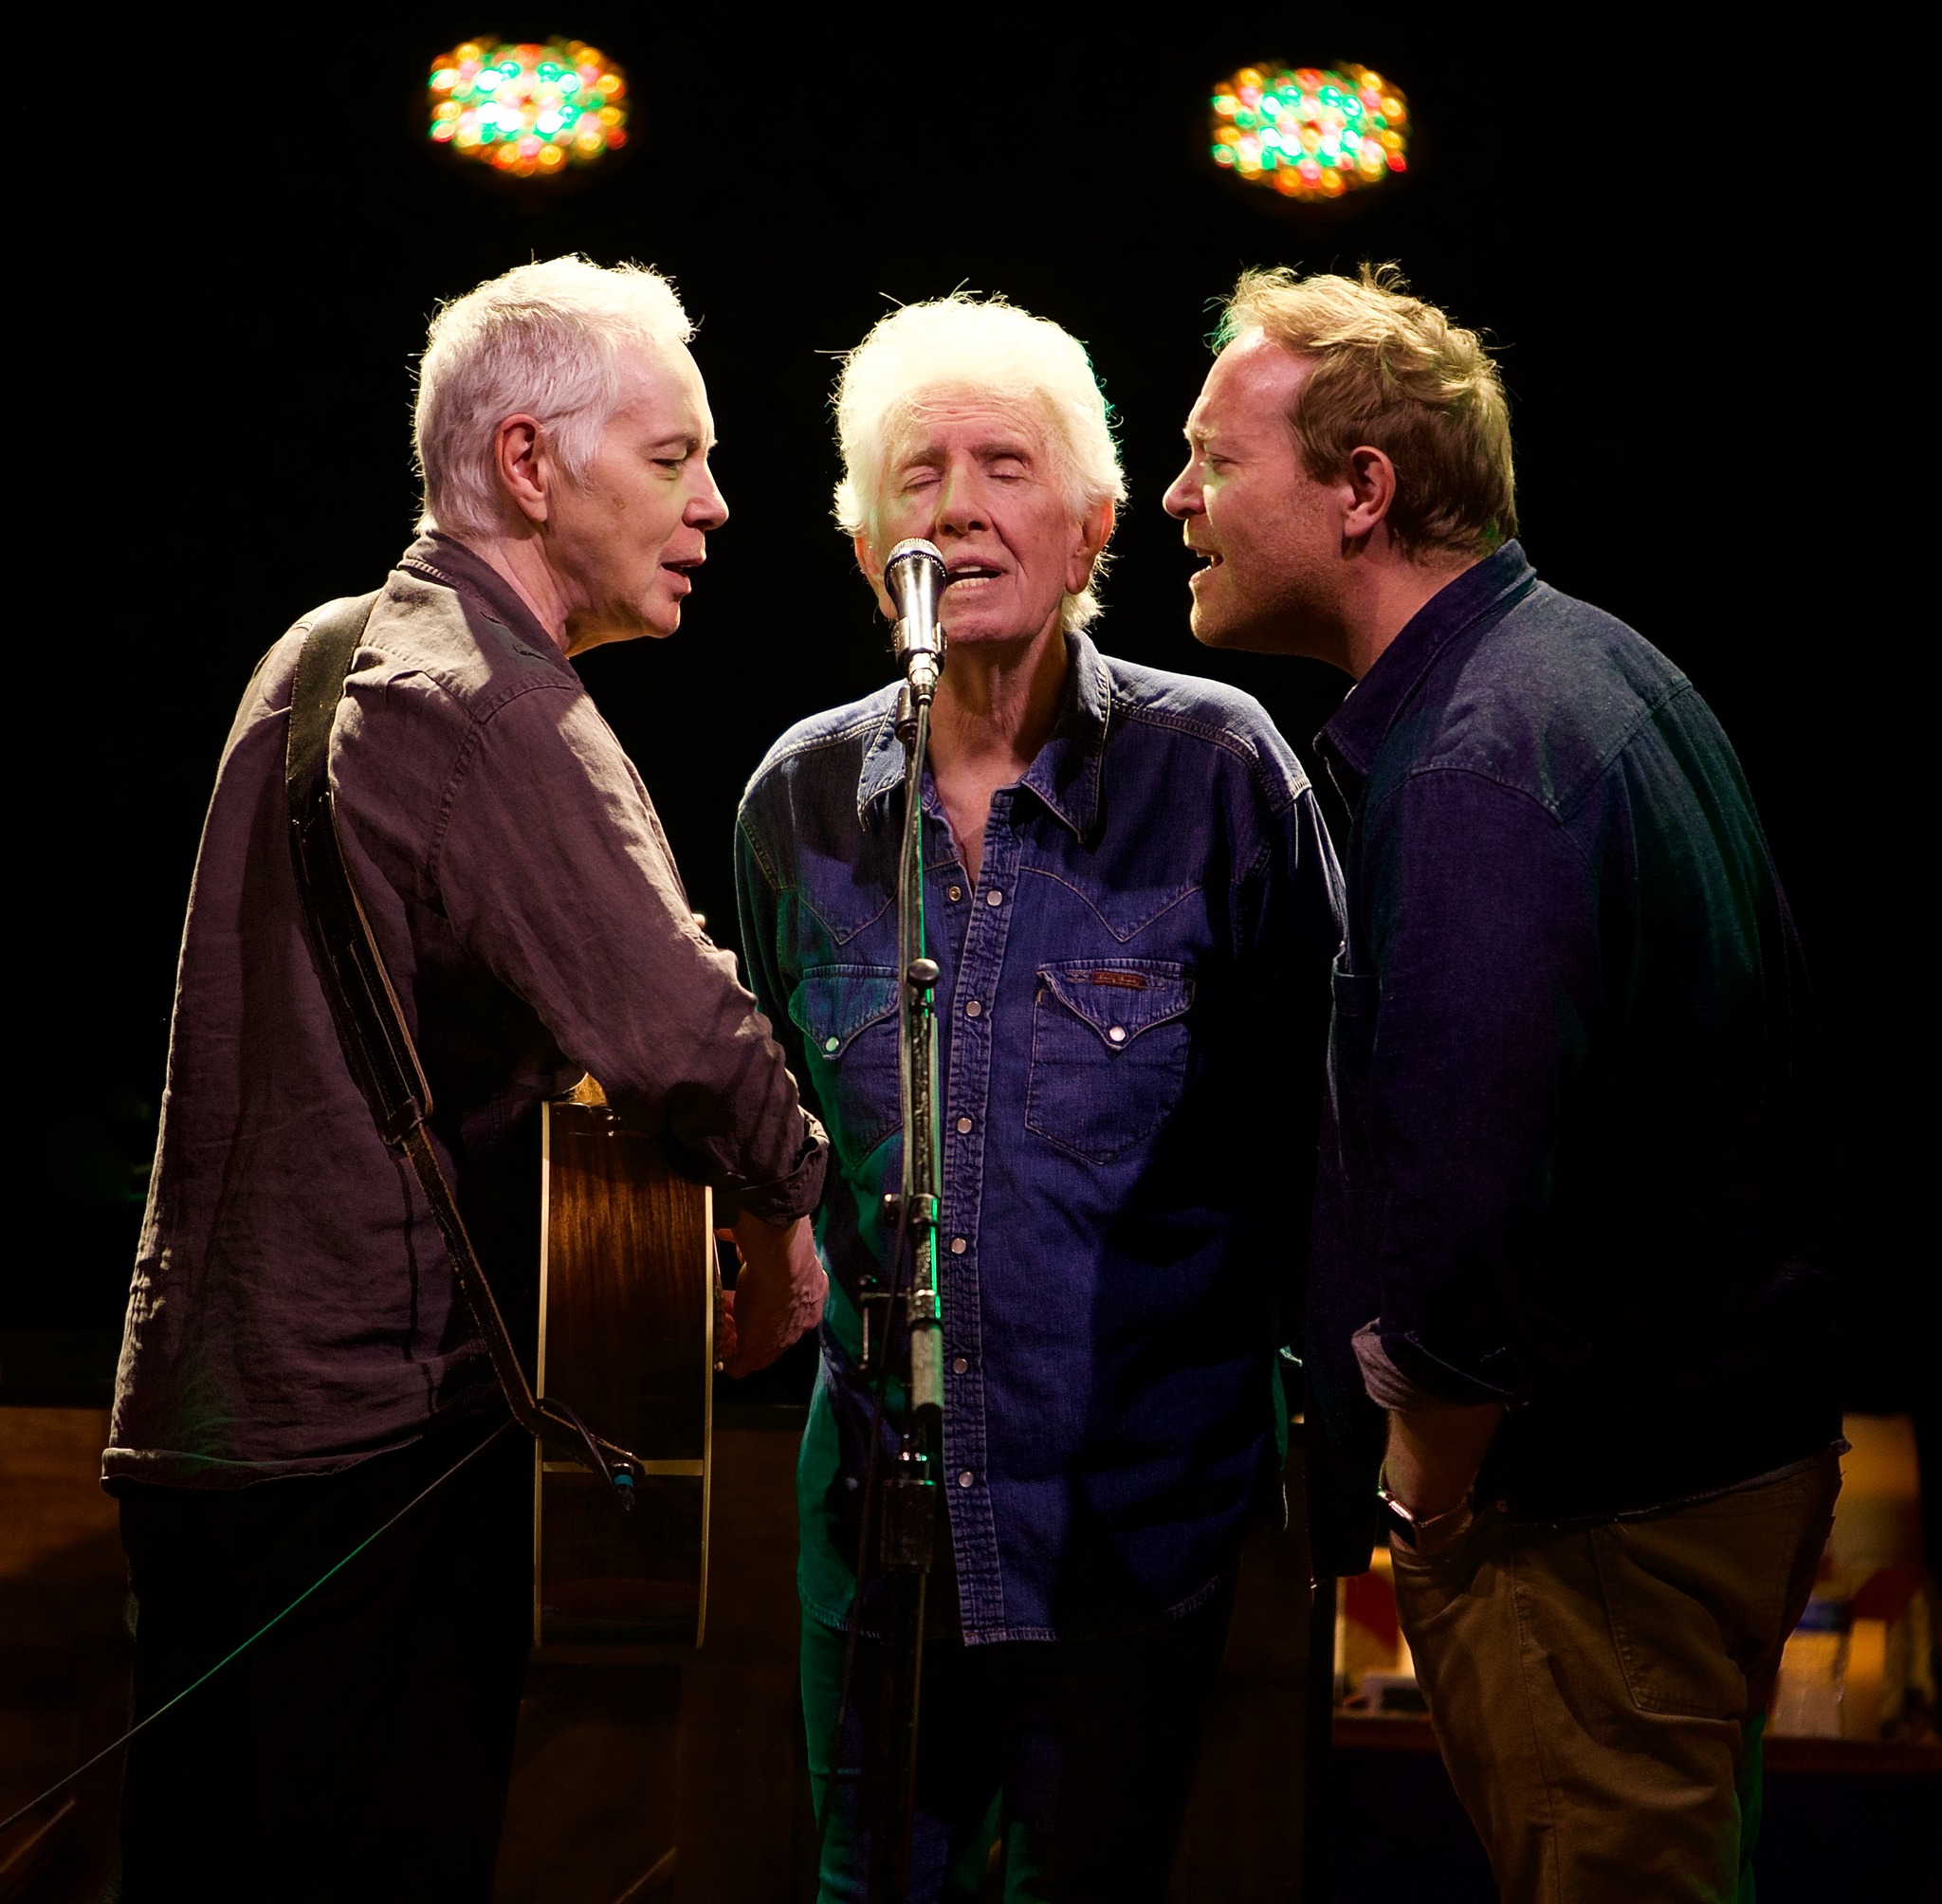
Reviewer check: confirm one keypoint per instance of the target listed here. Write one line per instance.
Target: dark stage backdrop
(227, 297)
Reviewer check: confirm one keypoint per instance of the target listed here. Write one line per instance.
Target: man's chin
(986, 629)
(659, 617)
(1216, 628)
(656, 623)
(1239, 632)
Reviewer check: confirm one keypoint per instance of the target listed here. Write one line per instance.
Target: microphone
(915, 578)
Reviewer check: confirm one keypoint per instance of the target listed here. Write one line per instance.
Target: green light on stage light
(1308, 133)
(527, 110)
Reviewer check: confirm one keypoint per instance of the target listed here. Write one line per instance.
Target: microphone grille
(914, 547)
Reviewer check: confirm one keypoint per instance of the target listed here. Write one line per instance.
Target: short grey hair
(983, 347)
(551, 340)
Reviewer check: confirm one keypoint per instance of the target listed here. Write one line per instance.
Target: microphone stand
(908, 1512)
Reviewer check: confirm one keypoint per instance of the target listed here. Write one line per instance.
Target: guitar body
(628, 1296)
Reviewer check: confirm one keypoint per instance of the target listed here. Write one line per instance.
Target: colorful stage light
(1309, 133)
(528, 111)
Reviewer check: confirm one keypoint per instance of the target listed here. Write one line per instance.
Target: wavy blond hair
(1394, 372)
(984, 347)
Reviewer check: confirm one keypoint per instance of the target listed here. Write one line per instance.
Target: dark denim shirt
(1133, 1009)
(1576, 1158)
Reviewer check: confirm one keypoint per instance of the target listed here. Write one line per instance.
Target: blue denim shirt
(1132, 1011)
(1577, 1158)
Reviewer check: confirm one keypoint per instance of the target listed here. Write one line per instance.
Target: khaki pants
(1596, 1693)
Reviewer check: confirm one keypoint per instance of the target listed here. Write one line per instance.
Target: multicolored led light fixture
(1309, 133)
(528, 111)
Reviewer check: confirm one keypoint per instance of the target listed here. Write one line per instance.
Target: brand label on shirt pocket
(1109, 1045)
(848, 1018)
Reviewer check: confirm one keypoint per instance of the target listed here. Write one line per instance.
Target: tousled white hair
(552, 339)
(981, 346)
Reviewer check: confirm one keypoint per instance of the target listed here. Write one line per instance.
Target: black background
(1694, 300)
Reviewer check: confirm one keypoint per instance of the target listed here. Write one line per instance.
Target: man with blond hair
(1132, 901)
(299, 1367)
(1571, 1226)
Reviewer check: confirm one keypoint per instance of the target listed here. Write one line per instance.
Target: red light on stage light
(529, 111)
(1309, 133)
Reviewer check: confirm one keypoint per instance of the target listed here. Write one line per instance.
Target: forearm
(555, 875)
(1483, 935)
(1434, 1454)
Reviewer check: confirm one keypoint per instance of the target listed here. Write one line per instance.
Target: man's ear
(1096, 531)
(872, 571)
(523, 467)
(1371, 492)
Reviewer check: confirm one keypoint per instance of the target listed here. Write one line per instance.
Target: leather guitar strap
(371, 1025)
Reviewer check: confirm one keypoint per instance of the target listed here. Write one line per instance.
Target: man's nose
(1182, 497)
(708, 508)
(959, 506)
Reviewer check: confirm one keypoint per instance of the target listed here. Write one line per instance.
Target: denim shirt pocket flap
(833, 1003)
(1120, 997)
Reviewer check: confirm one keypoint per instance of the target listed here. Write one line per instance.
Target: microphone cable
(276, 1620)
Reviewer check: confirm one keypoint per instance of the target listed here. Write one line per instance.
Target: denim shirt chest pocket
(848, 1018)
(1109, 1044)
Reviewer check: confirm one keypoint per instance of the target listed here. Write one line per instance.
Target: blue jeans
(1077, 1754)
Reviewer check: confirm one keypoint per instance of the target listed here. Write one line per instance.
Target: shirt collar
(1361, 723)
(1066, 775)
(445, 560)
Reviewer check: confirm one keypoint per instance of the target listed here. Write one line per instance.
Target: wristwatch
(1415, 1529)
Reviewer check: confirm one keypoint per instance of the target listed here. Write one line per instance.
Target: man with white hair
(299, 1365)
(1133, 902)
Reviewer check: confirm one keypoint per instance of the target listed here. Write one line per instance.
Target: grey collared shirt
(292, 1309)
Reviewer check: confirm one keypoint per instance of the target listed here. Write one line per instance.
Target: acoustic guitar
(629, 1297)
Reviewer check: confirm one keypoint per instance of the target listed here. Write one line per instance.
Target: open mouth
(972, 572)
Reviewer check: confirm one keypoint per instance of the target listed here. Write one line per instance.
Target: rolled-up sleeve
(552, 867)
(1483, 923)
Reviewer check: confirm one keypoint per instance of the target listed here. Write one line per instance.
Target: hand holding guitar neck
(779, 1292)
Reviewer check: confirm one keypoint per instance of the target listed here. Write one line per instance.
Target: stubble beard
(1291, 615)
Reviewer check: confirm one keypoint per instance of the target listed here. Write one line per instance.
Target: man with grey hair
(1132, 903)
(298, 1366)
